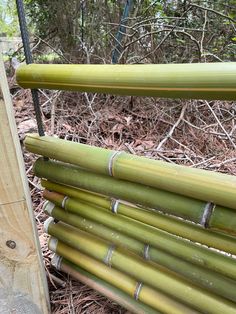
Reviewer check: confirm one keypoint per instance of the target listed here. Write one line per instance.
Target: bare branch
(173, 128)
(213, 11)
(220, 124)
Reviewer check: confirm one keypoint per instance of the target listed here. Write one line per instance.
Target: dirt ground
(194, 133)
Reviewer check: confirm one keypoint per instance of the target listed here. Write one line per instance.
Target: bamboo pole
(154, 298)
(201, 81)
(142, 271)
(181, 248)
(101, 286)
(196, 183)
(177, 205)
(212, 281)
(129, 191)
(156, 219)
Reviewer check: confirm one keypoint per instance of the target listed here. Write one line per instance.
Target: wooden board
(23, 285)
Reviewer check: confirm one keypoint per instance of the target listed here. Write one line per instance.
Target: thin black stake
(29, 59)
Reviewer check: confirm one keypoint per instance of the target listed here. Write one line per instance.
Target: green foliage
(8, 18)
(157, 31)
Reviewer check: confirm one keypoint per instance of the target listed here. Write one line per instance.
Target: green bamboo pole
(200, 184)
(147, 273)
(179, 247)
(177, 205)
(212, 281)
(223, 219)
(201, 81)
(175, 226)
(102, 287)
(154, 298)
(129, 191)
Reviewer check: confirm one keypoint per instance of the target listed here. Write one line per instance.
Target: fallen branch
(173, 128)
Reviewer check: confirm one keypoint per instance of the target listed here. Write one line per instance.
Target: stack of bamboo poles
(117, 225)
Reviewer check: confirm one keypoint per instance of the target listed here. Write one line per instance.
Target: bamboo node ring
(111, 162)
(114, 206)
(108, 257)
(138, 290)
(146, 251)
(206, 216)
(63, 203)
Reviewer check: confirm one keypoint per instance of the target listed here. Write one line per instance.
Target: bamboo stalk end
(56, 261)
(47, 223)
(52, 244)
(48, 207)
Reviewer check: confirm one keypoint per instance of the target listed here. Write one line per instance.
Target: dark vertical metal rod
(29, 59)
(82, 19)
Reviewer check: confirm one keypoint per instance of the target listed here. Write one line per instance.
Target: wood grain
(21, 268)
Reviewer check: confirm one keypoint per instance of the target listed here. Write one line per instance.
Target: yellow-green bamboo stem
(200, 184)
(177, 205)
(179, 247)
(175, 226)
(155, 276)
(154, 298)
(212, 281)
(103, 287)
(223, 219)
(201, 81)
(129, 191)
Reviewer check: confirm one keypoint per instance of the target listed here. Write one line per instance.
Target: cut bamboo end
(48, 207)
(52, 244)
(153, 218)
(45, 205)
(56, 261)
(106, 289)
(154, 298)
(222, 218)
(206, 278)
(175, 180)
(129, 191)
(157, 278)
(47, 223)
(181, 248)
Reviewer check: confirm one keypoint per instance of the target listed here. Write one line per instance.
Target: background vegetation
(160, 31)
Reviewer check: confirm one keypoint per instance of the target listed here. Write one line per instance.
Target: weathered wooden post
(23, 286)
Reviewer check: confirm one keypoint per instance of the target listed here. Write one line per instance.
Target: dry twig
(170, 133)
